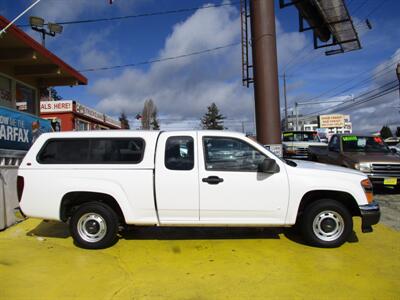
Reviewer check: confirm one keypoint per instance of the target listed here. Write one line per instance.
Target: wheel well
(72, 200)
(344, 198)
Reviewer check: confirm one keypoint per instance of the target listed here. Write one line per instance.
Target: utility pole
(284, 95)
(266, 85)
(398, 77)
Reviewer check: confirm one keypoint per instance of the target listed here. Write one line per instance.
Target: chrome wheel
(328, 225)
(92, 227)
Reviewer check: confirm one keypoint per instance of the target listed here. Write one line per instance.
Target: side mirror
(268, 166)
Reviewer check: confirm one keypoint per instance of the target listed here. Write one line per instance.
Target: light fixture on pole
(37, 24)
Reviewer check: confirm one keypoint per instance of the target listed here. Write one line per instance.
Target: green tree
(398, 132)
(212, 119)
(45, 93)
(386, 132)
(154, 120)
(124, 121)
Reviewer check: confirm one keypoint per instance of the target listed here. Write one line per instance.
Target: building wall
(66, 120)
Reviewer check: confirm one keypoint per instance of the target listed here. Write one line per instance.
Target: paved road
(390, 208)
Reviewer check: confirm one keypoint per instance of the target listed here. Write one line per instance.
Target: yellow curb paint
(39, 261)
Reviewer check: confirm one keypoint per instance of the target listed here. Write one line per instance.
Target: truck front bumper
(370, 215)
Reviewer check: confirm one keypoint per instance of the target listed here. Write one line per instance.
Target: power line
(383, 93)
(360, 6)
(351, 103)
(150, 14)
(344, 83)
(160, 59)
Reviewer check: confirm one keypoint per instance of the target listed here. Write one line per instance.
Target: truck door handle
(213, 180)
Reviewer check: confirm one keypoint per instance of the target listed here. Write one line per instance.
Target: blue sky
(183, 88)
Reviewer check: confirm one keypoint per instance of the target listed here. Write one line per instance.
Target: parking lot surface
(39, 261)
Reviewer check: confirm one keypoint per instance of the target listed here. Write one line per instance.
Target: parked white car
(101, 180)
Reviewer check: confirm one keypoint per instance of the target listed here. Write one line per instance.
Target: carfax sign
(18, 130)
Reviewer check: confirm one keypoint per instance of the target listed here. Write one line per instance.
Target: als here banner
(18, 130)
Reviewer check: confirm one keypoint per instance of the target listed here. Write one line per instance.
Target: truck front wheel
(94, 225)
(326, 223)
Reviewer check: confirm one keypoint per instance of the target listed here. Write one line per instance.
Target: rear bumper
(370, 215)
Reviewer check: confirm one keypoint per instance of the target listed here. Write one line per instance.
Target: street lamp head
(55, 28)
(36, 21)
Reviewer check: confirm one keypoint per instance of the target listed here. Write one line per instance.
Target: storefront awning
(25, 58)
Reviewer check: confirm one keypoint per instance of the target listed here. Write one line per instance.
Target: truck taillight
(20, 187)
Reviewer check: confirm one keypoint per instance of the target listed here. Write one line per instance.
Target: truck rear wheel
(94, 225)
(326, 223)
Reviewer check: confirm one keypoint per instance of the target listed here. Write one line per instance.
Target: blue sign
(18, 130)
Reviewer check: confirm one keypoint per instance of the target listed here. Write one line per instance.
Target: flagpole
(19, 16)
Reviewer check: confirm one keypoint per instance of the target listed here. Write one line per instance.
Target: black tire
(94, 225)
(326, 223)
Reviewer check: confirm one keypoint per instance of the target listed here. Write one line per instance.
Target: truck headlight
(363, 167)
(290, 150)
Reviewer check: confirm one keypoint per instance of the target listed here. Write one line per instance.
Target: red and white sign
(56, 106)
(84, 110)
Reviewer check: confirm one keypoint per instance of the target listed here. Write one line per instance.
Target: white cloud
(66, 10)
(185, 87)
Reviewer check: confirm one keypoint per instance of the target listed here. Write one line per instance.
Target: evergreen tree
(398, 132)
(154, 121)
(44, 94)
(124, 121)
(149, 116)
(386, 132)
(212, 119)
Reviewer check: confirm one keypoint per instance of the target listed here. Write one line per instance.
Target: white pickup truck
(99, 181)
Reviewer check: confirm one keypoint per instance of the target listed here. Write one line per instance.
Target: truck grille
(390, 170)
(302, 151)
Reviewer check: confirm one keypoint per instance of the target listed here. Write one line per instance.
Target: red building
(69, 115)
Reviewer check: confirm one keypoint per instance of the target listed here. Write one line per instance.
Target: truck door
(176, 177)
(334, 151)
(231, 188)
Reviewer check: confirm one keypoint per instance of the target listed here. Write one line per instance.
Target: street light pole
(37, 24)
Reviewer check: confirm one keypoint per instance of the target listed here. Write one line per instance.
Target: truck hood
(369, 157)
(308, 165)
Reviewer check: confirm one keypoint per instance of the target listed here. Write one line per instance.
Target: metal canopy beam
(11, 54)
(36, 70)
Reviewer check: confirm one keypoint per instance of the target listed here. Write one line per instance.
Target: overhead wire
(160, 59)
(344, 83)
(141, 15)
(351, 103)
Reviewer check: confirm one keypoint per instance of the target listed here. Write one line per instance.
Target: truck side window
(92, 151)
(179, 153)
(229, 154)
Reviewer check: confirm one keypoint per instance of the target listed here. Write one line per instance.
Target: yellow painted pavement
(39, 261)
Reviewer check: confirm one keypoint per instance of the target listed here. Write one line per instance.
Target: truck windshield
(364, 144)
(300, 137)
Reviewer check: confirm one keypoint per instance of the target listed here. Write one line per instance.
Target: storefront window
(81, 125)
(28, 95)
(5, 91)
